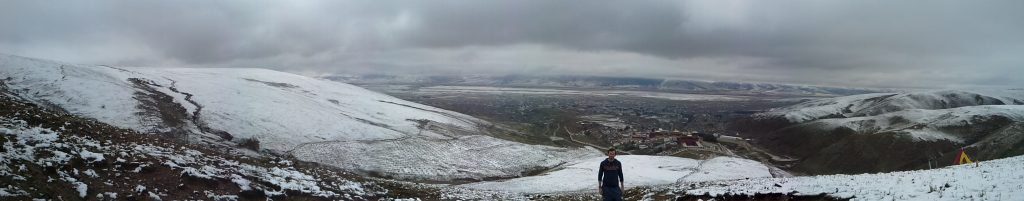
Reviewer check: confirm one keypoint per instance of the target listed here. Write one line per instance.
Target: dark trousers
(611, 193)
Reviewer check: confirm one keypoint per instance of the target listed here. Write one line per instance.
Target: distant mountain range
(598, 82)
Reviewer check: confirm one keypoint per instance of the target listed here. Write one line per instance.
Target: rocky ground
(50, 154)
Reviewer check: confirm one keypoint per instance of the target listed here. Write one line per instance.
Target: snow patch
(81, 188)
(999, 179)
(89, 156)
(638, 170)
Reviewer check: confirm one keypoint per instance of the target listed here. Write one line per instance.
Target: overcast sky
(934, 43)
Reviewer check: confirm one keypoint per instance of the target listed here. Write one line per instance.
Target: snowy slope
(727, 168)
(872, 132)
(927, 125)
(47, 155)
(881, 103)
(920, 115)
(280, 110)
(91, 91)
(474, 157)
(1000, 179)
(265, 104)
(638, 170)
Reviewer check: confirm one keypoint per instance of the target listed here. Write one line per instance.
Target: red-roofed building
(688, 141)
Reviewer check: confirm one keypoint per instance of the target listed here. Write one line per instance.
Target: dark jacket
(610, 173)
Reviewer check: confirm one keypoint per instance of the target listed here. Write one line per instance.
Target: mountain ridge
(893, 131)
(604, 82)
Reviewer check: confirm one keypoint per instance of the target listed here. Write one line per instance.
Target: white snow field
(1001, 179)
(638, 170)
(280, 110)
(727, 168)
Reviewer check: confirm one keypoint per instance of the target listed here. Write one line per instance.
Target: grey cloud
(607, 24)
(815, 35)
(862, 43)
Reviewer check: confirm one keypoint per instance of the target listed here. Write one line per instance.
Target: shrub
(250, 143)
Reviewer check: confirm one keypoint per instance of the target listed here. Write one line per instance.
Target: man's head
(611, 153)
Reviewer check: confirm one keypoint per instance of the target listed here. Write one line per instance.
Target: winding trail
(592, 145)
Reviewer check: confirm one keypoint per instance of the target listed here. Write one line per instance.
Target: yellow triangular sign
(963, 159)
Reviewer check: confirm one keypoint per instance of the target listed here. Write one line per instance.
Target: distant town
(634, 125)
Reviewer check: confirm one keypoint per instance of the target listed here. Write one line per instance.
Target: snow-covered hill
(927, 125)
(871, 132)
(929, 116)
(881, 103)
(281, 111)
(1000, 179)
(52, 155)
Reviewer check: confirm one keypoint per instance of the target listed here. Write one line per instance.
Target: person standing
(609, 176)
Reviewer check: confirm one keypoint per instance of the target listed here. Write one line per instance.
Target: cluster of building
(665, 137)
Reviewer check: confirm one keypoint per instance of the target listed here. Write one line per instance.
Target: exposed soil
(153, 103)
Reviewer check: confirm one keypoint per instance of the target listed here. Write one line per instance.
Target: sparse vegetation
(250, 143)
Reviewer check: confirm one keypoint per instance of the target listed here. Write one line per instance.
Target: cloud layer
(861, 43)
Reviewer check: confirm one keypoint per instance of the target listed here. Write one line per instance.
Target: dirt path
(588, 144)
